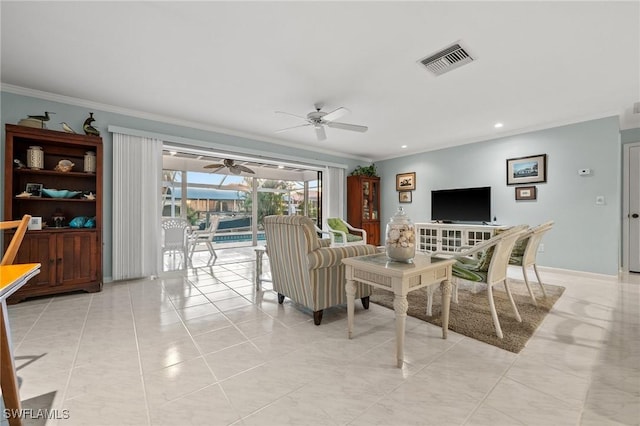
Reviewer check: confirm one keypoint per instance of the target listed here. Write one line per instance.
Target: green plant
(365, 171)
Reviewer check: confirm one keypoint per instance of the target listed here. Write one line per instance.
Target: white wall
(586, 236)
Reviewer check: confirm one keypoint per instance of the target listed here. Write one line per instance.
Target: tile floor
(204, 348)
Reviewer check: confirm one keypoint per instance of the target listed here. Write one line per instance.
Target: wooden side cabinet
(71, 257)
(363, 205)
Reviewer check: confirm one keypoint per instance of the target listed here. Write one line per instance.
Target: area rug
(471, 315)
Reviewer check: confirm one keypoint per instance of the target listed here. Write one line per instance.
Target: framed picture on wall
(531, 169)
(405, 196)
(526, 193)
(406, 181)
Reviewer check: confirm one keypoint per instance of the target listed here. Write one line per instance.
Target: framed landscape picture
(531, 169)
(406, 181)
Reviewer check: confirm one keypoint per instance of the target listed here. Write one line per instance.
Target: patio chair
(343, 234)
(525, 252)
(490, 268)
(174, 239)
(205, 237)
(306, 271)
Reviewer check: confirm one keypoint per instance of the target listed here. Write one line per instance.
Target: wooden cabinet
(363, 205)
(451, 237)
(71, 258)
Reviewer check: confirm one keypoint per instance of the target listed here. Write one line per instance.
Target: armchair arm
(327, 257)
(358, 230)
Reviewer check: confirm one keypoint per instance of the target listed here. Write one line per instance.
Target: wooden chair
(490, 268)
(343, 234)
(21, 228)
(525, 252)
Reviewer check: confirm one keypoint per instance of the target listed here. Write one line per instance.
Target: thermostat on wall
(584, 172)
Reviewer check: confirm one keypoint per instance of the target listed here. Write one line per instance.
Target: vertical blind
(137, 177)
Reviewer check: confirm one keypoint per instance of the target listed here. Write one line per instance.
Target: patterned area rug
(471, 315)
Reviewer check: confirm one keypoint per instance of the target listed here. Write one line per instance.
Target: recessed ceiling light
(403, 146)
(498, 125)
(173, 152)
(281, 167)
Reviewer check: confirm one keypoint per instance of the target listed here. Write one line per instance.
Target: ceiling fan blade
(320, 133)
(244, 169)
(294, 127)
(346, 126)
(293, 115)
(335, 114)
(216, 170)
(213, 166)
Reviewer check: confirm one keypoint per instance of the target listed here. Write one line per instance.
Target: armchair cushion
(338, 225)
(328, 257)
(350, 237)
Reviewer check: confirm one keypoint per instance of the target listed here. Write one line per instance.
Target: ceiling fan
(318, 119)
(234, 168)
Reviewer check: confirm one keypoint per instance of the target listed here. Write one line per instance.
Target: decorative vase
(90, 162)
(35, 158)
(400, 242)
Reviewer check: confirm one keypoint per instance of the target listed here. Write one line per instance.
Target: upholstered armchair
(304, 269)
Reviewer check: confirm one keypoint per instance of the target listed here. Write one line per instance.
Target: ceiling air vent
(447, 59)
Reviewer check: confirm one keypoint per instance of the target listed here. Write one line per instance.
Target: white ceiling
(231, 65)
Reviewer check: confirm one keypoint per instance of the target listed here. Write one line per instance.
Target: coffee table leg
(350, 289)
(445, 288)
(400, 306)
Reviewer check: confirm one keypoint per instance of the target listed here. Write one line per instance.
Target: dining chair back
(16, 240)
(526, 251)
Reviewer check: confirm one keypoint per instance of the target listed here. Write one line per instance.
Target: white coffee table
(401, 278)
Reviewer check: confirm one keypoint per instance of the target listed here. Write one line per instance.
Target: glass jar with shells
(400, 242)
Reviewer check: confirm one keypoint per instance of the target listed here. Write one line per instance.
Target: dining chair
(174, 238)
(21, 229)
(489, 268)
(205, 237)
(525, 252)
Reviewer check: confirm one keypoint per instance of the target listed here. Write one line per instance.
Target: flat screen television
(461, 205)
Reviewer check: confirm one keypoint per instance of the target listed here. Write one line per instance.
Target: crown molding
(54, 97)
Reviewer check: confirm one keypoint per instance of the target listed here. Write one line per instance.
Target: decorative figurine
(67, 128)
(44, 117)
(88, 128)
(36, 121)
(19, 164)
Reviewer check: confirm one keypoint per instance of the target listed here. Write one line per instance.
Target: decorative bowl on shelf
(59, 193)
(64, 166)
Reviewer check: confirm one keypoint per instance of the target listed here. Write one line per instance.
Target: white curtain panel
(333, 199)
(137, 178)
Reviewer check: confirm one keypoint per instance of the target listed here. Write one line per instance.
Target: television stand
(451, 237)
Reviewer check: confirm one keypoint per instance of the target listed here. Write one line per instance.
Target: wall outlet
(541, 248)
